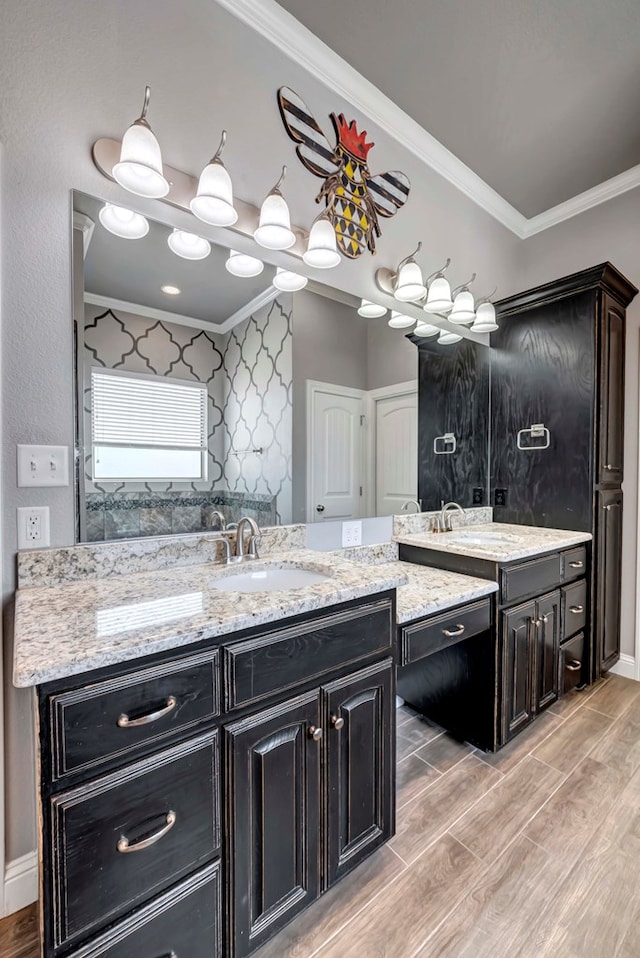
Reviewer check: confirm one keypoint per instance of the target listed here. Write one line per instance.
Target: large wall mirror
(201, 393)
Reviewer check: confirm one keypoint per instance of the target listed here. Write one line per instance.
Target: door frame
(372, 398)
(315, 386)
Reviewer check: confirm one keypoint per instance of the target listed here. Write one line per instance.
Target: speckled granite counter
(78, 626)
(502, 542)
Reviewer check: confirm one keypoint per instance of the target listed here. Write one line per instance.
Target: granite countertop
(510, 542)
(71, 628)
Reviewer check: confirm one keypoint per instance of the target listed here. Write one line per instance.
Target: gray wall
(391, 357)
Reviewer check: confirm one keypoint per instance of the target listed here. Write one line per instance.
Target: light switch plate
(33, 527)
(43, 466)
(351, 534)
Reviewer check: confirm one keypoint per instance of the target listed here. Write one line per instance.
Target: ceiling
(133, 271)
(539, 99)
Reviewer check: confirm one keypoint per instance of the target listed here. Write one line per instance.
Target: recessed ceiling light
(171, 290)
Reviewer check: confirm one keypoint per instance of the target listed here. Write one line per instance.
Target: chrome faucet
(412, 502)
(254, 539)
(445, 515)
(222, 522)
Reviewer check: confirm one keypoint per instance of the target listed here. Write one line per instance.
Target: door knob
(320, 508)
(337, 721)
(315, 733)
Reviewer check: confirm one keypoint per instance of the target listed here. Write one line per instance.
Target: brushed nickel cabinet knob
(337, 721)
(315, 733)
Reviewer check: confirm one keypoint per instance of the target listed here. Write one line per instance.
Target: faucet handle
(255, 542)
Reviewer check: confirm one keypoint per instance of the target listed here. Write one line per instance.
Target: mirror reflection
(203, 396)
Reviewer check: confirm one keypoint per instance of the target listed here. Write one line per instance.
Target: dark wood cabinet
(558, 358)
(517, 704)
(545, 651)
(360, 755)
(607, 578)
(273, 761)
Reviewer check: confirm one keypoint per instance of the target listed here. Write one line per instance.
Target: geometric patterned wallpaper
(248, 372)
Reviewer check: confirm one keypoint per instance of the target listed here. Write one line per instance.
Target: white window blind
(147, 427)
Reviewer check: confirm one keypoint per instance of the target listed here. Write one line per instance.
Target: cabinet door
(611, 406)
(546, 650)
(274, 805)
(516, 668)
(360, 781)
(607, 581)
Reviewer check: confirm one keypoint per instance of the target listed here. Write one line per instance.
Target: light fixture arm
(465, 286)
(489, 297)
(409, 257)
(142, 119)
(216, 156)
(276, 188)
(439, 272)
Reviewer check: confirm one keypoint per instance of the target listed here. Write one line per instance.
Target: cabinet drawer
(257, 668)
(186, 921)
(99, 722)
(129, 835)
(571, 663)
(574, 564)
(574, 608)
(431, 635)
(529, 578)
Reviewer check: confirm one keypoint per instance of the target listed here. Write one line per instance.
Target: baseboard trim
(626, 666)
(20, 882)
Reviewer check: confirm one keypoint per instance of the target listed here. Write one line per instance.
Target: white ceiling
(539, 99)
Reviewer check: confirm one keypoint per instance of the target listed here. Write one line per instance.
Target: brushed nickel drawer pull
(573, 666)
(125, 722)
(576, 609)
(124, 846)
(579, 564)
(337, 721)
(610, 468)
(451, 633)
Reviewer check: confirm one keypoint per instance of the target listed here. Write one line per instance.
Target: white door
(396, 443)
(335, 429)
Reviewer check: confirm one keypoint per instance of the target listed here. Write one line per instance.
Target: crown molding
(298, 43)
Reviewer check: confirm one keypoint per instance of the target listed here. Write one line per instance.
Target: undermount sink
(270, 580)
(479, 539)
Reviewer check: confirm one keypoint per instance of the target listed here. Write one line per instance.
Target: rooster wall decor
(353, 197)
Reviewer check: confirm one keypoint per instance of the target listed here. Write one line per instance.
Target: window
(147, 427)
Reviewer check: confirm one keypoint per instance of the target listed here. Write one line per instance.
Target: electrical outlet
(478, 495)
(33, 527)
(351, 534)
(500, 497)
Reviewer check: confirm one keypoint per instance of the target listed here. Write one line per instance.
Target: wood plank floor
(534, 851)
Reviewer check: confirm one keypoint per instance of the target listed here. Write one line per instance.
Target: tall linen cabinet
(557, 363)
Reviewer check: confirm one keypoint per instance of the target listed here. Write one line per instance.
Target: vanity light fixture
(188, 245)
(371, 310)
(213, 203)
(322, 249)
(463, 305)
(243, 265)
(439, 295)
(123, 222)
(400, 321)
(485, 321)
(446, 338)
(409, 285)
(171, 290)
(140, 167)
(274, 228)
(424, 330)
(288, 281)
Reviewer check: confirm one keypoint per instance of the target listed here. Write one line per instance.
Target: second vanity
(212, 761)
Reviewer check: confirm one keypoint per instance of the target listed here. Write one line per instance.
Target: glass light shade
(123, 222)
(140, 166)
(439, 296)
(426, 329)
(288, 281)
(370, 310)
(188, 245)
(400, 321)
(485, 321)
(274, 229)
(410, 285)
(322, 249)
(463, 308)
(213, 203)
(241, 264)
(446, 338)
